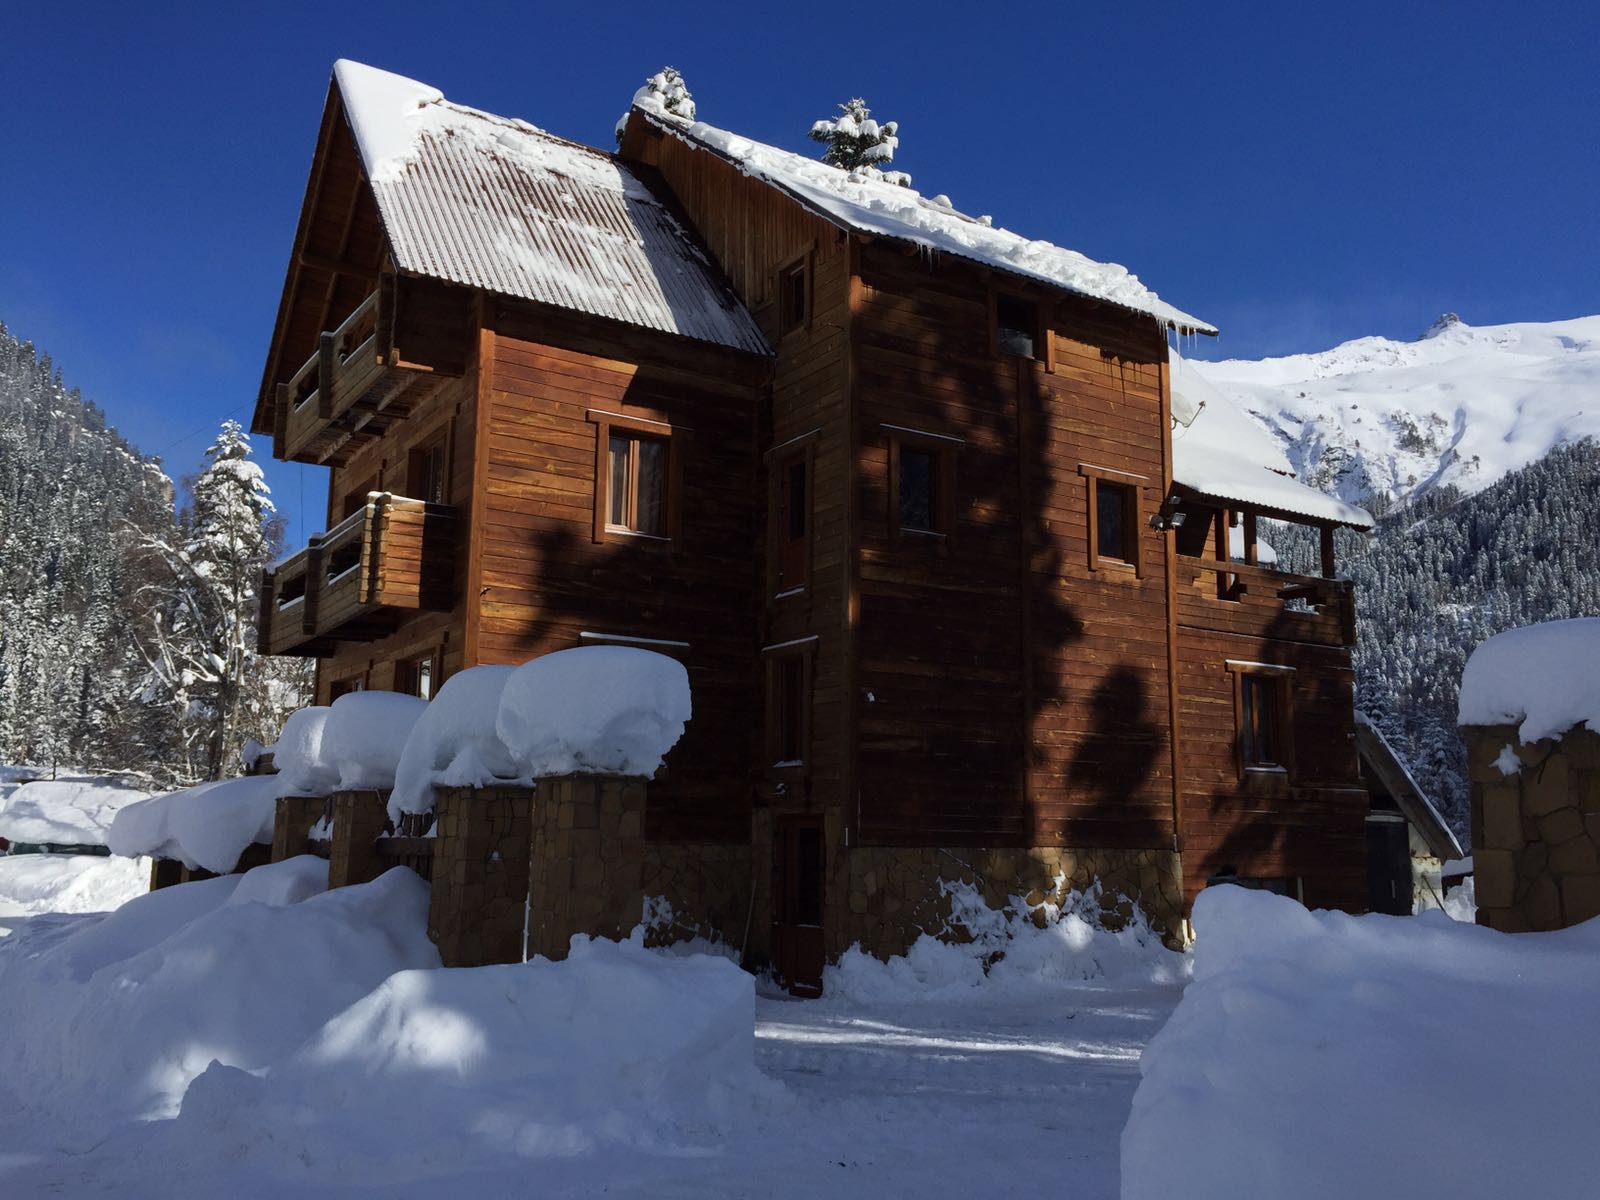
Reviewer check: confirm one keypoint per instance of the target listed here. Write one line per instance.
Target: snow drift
(597, 709)
(121, 1012)
(74, 811)
(208, 826)
(31, 884)
(1020, 948)
(615, 1045)
(1323, 1055)
(1545, 678)
(453, 743)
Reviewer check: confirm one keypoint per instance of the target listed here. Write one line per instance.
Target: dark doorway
(798, 863)
(1388, 867)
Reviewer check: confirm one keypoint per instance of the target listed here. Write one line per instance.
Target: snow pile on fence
(208, 826)
(597, 709)
(112, 1017)
(31, 884)
(1019, 947)
(454, 744)
(1545, 678)
(364, 735)
(1323, 1055)
(614, 1045)
(69, 811)
(297, 754)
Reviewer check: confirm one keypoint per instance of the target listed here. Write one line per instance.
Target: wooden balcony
(1237, 597)
(345, 394)
(355, 582)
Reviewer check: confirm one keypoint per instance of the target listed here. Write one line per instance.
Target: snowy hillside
(1460, 406)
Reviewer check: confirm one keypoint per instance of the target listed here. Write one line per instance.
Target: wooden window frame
(359, 680)
(1135, 519)
(780, 584)
(801, 654)
(788, 320)
(941, 448)
(1043, 346)
(441, 438)
(674, 438)
(1282, 699)
(404, 669)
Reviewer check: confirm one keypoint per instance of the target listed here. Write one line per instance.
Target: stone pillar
(295, 815)
(164, 872)
(359, 818)
(480, 874)
(587, 861)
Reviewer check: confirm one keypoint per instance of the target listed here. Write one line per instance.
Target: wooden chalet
(965, 580)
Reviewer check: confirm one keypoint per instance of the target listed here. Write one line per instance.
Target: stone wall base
(892, 895)
(359, 819)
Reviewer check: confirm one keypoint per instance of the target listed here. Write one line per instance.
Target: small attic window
(1016, 326)
(793, 296)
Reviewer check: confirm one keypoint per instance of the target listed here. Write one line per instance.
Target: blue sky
(1298, 174)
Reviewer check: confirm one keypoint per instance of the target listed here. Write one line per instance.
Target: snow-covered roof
(1218, 451)
(493, 203)
(1544, 677)
(863, 203)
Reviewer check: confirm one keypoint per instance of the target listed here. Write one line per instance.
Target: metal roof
(491, 203)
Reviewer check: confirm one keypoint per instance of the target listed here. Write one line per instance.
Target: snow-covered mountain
(1461, 405)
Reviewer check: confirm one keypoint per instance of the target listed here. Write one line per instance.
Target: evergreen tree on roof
(858, 143)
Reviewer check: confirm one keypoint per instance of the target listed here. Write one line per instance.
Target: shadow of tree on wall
(1116, 755)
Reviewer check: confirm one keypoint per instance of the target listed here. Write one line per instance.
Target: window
(1115, 527)
(921, 482)
(1016, 326)
(343, 687)
(417, 677)
(1262, 716)
(789, 706)
(1259, 735)
(425, 474)
(356, 499)
(793, 297)
(637, 484)
(794, 522)
(1114, 531)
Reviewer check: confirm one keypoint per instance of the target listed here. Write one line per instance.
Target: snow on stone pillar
(591, 726)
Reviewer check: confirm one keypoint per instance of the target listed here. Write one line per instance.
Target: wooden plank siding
(543, 580)
(753, 232)
(1015, 696)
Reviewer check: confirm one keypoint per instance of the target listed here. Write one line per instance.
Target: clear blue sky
(1299, 174)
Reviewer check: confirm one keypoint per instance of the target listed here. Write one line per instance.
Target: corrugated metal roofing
(491, 203)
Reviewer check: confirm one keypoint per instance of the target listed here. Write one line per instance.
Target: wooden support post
(327, 359)
(1251, 554)
(1327, 552)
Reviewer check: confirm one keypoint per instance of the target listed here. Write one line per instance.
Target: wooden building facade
(909, 517)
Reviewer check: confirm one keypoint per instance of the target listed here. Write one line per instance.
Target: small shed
(1408, 842)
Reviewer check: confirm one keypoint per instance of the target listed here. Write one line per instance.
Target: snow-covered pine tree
(204, 665)
(665, 93)
(858, 143)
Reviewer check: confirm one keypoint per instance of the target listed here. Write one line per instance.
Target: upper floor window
(788, 706)
(417, 677)
(638, 484)
(794, 521)
(1114, 520)
(425, 473)
(921, 481)
(793, 297)
(1017, 326)
(1262, 716)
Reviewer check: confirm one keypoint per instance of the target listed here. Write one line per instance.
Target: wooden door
(1388, 868)
(798, 864)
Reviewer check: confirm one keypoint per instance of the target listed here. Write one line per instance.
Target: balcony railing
(344, 394)
(352, 583)
(1238, 597)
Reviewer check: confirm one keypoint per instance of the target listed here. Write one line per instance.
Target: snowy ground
(1005, 1093)
(31, 884)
